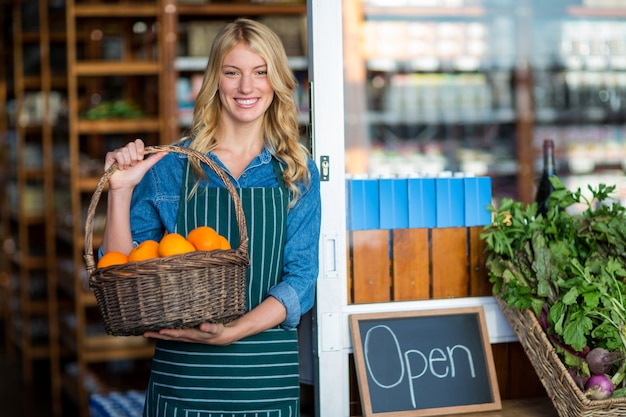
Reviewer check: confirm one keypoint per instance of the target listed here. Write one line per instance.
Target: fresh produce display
(569, 269)
(202, 238)
(114, 109)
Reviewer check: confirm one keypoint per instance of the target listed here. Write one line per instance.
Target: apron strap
(278, 170)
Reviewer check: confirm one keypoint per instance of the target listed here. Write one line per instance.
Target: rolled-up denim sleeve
(296, 291)
(288, 298)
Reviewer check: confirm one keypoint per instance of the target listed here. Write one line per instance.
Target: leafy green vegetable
(569, 269)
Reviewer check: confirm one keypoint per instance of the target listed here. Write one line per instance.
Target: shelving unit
(6, 76)
(32, 326)
(119, 73)
(579, 91)
(429, 89)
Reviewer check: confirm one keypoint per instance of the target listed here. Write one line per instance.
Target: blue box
(422, 208)
(450, 202)
(364, 209)
(477, 198)
(394, 203)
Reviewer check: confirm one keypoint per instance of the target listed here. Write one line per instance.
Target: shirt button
(244, 175)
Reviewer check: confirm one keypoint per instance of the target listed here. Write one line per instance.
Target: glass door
(455, 93)
(362, 267)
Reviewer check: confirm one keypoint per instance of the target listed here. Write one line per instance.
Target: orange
(148, 249)
(174, 244)
(112, 258)
(224, 244)
(204, 238)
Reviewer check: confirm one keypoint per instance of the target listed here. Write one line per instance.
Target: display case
(475, 86)
(579, 89)
(431, 87)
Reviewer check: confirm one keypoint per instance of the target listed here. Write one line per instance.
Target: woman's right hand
(131, 164)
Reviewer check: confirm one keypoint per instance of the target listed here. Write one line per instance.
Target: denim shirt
(154, 209)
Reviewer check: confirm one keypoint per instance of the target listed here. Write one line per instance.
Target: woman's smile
(247, 101)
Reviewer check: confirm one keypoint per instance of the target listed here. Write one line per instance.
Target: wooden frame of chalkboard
(424, 363)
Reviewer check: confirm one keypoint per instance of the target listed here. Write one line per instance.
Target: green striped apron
(257, 376)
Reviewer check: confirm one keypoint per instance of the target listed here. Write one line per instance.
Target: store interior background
(432, 87)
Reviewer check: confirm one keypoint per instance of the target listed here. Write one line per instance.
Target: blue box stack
(452, 200)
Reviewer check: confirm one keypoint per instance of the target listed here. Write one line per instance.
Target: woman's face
(245, 91)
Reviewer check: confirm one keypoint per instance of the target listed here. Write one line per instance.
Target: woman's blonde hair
(280, 122)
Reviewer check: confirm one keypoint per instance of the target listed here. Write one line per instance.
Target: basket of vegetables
(560, 279)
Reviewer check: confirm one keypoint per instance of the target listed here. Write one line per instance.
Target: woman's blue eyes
(235, 73)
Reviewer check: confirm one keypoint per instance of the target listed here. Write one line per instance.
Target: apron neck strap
(278, 170)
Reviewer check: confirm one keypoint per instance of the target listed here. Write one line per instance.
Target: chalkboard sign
(424, 363)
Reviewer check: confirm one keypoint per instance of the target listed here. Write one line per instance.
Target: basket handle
(239, 214)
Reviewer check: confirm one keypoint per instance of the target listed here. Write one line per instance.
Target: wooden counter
(533, 407)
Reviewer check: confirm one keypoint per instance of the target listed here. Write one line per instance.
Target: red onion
(599, 387)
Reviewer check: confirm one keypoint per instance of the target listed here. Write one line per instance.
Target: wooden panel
(500, 353)
(449, 262)
(116, 10)
(411, 278)
(479, 278)
(524, 382)
(144, 124)
(371, 266)
(107, 68)
(350, 280)
(240, 9)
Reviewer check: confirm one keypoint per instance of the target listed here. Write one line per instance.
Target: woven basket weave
(567, 398)
(179, 291)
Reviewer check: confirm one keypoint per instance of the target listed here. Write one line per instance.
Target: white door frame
(325, 54)
(331, 336)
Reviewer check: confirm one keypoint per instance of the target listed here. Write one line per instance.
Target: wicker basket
(179, 291)
(567, 398)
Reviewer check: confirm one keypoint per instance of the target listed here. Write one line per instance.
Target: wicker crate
(179, 291)
(567, 398)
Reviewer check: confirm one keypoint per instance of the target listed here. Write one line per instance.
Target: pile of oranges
(203, 238)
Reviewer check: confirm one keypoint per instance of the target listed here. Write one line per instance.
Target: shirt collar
(264, 157)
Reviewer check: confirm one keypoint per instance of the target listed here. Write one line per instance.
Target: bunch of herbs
(569, 269)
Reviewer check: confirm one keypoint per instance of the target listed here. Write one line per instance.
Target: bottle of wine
(545, 188)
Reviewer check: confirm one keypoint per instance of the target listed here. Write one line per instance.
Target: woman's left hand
(206, 333)
(268, 314)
